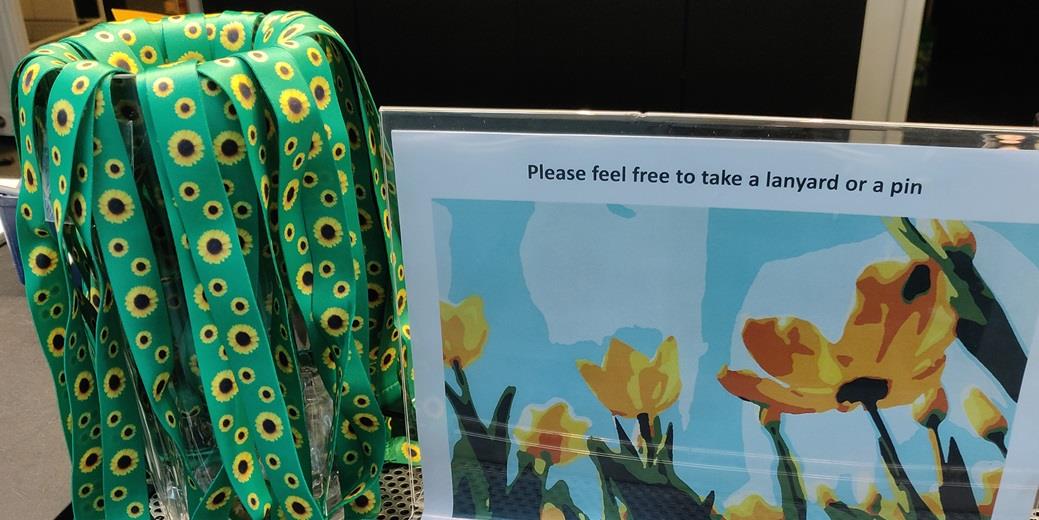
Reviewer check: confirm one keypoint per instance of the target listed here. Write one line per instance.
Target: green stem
(791, 485)
(999, 438)
(939, 456)
(894, 465)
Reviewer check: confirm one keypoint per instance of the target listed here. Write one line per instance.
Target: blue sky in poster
(559, 280)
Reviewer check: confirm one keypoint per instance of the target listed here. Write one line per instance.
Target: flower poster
(807, 348)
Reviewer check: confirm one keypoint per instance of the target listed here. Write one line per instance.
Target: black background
(791, 58)
(985, 64)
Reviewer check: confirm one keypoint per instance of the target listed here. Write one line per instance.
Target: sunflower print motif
(185, 107)
(219, 498)
(141, 301)
(186, 148)
(42, 261)
(127, 36)
(223, 386)
(124, 462)
(294, 105)
(56, 342)
(334, 321)
(329, 231)
(83, 386)
(364, 504)
(80, 84)
(284, 70)
(242, 338)
(229, 147)
(232, 36)
(214, 246)
(243, 90)
(188, 151)
(243, 466)
(116, 206)
(135, 510)
(305, 278)
(411, 452)
(62, 117)
(322, 92)
(148, 54)
(114, 382)
(298, 508)
(29, 178)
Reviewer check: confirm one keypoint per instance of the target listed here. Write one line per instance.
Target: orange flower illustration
(629, 383)
(892, 349)
(990, 480)
(931, 407)
(464, 330)
(553, 430)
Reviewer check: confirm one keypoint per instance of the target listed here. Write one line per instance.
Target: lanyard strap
(222, 230)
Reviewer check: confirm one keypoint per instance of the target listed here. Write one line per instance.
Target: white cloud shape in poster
(594, 269)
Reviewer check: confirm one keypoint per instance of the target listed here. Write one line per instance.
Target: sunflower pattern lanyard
(229, 226)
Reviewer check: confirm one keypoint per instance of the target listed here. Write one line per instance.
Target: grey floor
(33, 458)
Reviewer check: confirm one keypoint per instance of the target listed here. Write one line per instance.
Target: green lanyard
(226, 224)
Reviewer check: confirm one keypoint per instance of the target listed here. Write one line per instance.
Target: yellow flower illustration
(875, 504)
(892, 350)
(553, 430)
(464, 330)
(986, 419)
(753, 507)
(629, 383)
(825, 495)
(942, 235)
(551, 512)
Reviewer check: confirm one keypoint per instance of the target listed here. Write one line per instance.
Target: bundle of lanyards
(207, 221)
